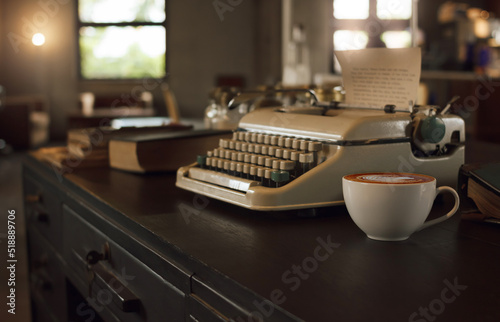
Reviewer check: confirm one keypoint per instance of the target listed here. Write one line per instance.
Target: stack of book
(89, 147)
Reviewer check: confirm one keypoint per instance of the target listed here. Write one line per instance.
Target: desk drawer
(43, 210)
(123, 287)
(47, 280)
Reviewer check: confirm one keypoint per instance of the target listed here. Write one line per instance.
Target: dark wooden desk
(235, 261)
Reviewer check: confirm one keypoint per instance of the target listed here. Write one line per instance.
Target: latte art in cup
(390, 178)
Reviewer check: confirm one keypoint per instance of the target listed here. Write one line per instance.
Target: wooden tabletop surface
(321, 268)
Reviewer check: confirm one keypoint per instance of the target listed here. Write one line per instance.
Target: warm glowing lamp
(481, 28)
(38, 39)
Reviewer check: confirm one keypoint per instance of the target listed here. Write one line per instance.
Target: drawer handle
(106, 281)
(121, 295)
(42, 217)
(38, 275)
(94, 256)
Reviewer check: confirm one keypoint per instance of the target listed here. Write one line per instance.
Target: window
(359, 24)
(122, 39)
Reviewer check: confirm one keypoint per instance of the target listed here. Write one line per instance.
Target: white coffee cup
(391, 206)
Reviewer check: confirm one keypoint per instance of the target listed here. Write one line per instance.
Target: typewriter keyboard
(259, 159)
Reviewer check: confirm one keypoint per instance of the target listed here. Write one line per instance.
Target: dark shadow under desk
(230, 262)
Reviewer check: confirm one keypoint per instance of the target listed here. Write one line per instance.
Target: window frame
(364, 25)
(80, 24)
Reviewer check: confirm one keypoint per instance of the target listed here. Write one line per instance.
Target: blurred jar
(217, 114)
(212, 114)
(339, 94)
(324, 94)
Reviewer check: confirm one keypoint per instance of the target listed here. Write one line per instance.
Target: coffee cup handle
(449, 214)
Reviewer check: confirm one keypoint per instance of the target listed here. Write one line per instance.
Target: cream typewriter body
(292, 158)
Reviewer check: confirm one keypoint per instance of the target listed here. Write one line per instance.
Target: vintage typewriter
(294, 157)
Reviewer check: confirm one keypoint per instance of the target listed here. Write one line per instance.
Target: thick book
(162, 152)
(92, 143)
(479, 189)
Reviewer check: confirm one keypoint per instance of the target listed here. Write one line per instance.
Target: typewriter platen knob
(432, 129)
(433, 132)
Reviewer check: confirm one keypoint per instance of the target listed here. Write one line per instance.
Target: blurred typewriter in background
(294, 157)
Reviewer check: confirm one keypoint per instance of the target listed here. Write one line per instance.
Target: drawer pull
(94, 256)
(42, 217)
(106, 281)
(121, 295)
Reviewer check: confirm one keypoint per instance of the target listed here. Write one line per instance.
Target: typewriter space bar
(222, 179)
